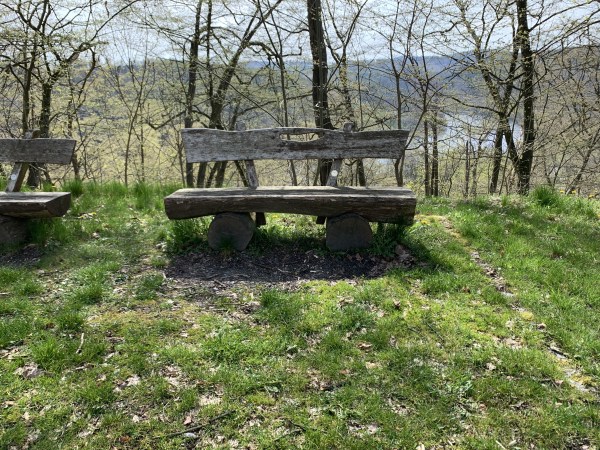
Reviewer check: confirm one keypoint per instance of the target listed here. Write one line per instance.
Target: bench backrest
(25, 151)
(50, 151)
(206, 145)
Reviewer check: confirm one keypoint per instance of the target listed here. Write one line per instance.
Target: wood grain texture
(51, 151)
(205, 145)
(253, 182)
(336, 167)
(34, 204)
(17, 175)
(394, 205)
(230, 230)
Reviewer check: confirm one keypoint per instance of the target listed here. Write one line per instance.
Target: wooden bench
(347, 210)
(15, 206)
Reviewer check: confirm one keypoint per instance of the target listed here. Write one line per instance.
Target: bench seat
(375, 204)
(34, 204)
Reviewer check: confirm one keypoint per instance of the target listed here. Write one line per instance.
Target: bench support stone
(348, 231)
(231, 230)
(12, 230)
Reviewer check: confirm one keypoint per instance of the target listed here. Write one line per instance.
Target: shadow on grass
(295, 253)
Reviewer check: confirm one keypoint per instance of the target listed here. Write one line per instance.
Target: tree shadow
(290, 261)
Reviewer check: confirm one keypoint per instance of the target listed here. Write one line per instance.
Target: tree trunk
(319, 76)
(188, 121)
(475, 164)
(496, 160)
(399, 163)
(467, 168)
(435, 176)
(527, 87)
(34, 174)
(577, 180)
(426, 156)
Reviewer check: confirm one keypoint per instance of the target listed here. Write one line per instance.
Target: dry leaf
(132, 381)
(29, 371)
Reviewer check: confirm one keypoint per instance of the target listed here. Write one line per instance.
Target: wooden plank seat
(391, 205)
(34, 204)
(16, 206)
(347, 210)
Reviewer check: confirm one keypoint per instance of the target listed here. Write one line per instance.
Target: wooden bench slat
(208, 145)
(17, 176)
(34, 204)
(394, 205)
(51, 151)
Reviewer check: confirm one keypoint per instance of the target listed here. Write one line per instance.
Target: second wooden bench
(16, 206)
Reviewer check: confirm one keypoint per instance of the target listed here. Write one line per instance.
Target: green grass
(98, 349)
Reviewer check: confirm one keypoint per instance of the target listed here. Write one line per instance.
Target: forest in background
(499, 96)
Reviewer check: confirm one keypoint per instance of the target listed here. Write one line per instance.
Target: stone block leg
(348, 231)
(12, 230)
(231, 231)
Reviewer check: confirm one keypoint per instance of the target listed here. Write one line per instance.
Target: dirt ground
(285, 268)
(282, 268)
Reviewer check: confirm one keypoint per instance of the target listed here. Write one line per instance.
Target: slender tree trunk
(188, 121)
(399, 163)
(34, 174)
(496, 160)
(426, 156)
(201, 178)
(467, 167)
(435, 176)
(526, 159)
(475, 166)
(575, 183)
(319, 76)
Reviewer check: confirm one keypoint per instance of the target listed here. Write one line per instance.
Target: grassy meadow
(488, 339)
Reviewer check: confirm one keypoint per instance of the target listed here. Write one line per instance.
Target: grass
(99, 350)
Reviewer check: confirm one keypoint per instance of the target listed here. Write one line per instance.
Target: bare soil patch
(281, 267)
(27, 256)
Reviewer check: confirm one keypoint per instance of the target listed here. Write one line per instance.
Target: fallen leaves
(364, 346)
(29, 371)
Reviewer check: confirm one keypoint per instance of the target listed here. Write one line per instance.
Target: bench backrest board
(50, 151)
(206, 145)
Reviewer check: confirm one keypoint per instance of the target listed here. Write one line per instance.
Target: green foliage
(13, 330)
(100, 336)
(112, 189)
(75, 187)
(281, 309)
(385, 239)
(95, 396)
(148, 286)
(42, 231)
(288, 230)
(547, 197)
(144, 196)
(187, 234)
(70, 319)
